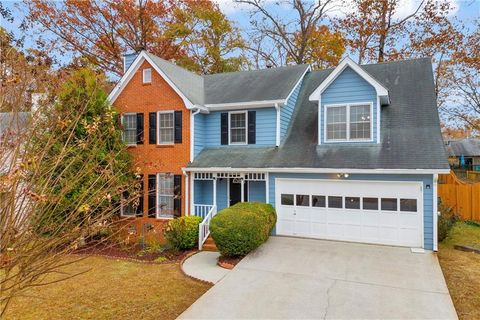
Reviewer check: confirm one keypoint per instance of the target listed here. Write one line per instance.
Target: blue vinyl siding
(203, 192)
(425, 179)
(349, 87)
(222, 196)
(286, 112)
(256, 191)
(128, 59)
(265, 128)
(199, 134)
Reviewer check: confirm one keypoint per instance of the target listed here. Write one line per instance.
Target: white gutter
(321, 170)
(249, 104)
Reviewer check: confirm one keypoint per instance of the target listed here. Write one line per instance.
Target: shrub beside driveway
(112, 289)
(462, 269)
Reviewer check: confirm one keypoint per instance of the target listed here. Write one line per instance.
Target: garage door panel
(314, 218)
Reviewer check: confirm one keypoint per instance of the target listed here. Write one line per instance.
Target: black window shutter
(178, 126)
(152, 195)
(139, 128)
(152, 127)
(177, 191)
(139, 212)
(252, 120)
(224, 128)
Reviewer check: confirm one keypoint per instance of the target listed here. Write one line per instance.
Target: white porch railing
(201, 210)
(204, 227)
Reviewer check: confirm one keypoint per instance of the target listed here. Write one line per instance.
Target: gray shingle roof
(229, 87)
(257, 85)
(410, 130)
(466, 147)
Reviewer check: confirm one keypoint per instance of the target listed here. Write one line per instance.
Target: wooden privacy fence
(462, 197)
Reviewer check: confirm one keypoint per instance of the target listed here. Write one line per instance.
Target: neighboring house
(350, 153)
(464, 153)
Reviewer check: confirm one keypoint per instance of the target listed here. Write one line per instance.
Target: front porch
(211, 192)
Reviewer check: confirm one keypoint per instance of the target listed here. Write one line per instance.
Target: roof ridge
(258, 70)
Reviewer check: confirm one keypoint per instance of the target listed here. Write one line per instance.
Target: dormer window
(348, 122)
(147, 75)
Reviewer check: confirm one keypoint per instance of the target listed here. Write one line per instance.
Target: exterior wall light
(343, 175)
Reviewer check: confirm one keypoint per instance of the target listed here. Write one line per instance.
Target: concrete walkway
(288, 278)
(203, 266)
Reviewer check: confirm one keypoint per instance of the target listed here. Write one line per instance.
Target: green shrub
(242, 228)
(446, 220)
(182, 233)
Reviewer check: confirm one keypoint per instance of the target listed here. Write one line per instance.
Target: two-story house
(350, 153)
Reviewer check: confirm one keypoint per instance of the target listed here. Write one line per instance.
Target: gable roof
(410, 130)
(347, 62)
(266, 86)
(466, 147)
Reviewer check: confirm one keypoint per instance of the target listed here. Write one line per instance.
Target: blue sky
(465, 10)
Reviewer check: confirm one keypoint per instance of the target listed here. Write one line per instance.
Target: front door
(236, 191)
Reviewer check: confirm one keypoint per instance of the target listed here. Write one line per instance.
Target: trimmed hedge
(182, 233)
(242, 228)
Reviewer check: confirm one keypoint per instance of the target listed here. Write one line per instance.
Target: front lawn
(462, 269)
(112, 289)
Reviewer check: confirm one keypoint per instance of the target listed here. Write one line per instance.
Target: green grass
(462, 269)
(112, 289)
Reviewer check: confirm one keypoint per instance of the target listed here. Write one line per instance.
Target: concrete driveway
(302, 278)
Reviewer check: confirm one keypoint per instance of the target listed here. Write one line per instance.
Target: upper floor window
(166, 127)
(348, 122)
(130, 128)
(147, 75)
(238, 127)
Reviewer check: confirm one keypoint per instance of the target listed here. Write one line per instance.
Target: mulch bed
(134, 252)
(229, 263)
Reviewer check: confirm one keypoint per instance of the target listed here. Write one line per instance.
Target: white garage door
(361, 211)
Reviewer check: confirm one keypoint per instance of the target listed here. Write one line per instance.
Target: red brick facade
(152, 158)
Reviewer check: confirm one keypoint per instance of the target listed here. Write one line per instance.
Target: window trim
(158, 128)
(230, 128)
(158, 215)
(123, 129)
(347, 105)
(122, 208)
(143, 75)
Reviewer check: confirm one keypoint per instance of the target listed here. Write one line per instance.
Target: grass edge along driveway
(112, 289)
(462, 269)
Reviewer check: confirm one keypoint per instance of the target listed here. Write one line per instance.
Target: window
(128, 206)
(287, 199)
(409, 205)
(147, 75)
(335, 202)
(166, 127)
(389, 204)
(370, 203)
(129, 123)
(318, 201)
(337, 123)
(348, 122)
(360, 122)
(165, 195)
(303, 200)
(238, 128)
(352, 202)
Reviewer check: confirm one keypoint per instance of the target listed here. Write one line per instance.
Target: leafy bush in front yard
(242, 228)
(446, 220)
(182, 233)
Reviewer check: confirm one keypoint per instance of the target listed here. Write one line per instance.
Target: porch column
(192, 209)
(267, 193)
(187, 191)
(242, 184)
(214, 191)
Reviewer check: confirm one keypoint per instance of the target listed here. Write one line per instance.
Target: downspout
(277, 136)
(435, 212)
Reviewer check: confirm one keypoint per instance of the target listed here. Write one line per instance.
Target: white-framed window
(129, 123)
(165, 195)
(147, 75)
(348, 122)
(127, 209)
(237, 123)
(166, 127)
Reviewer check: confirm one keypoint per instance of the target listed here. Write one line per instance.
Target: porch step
(209, 245)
